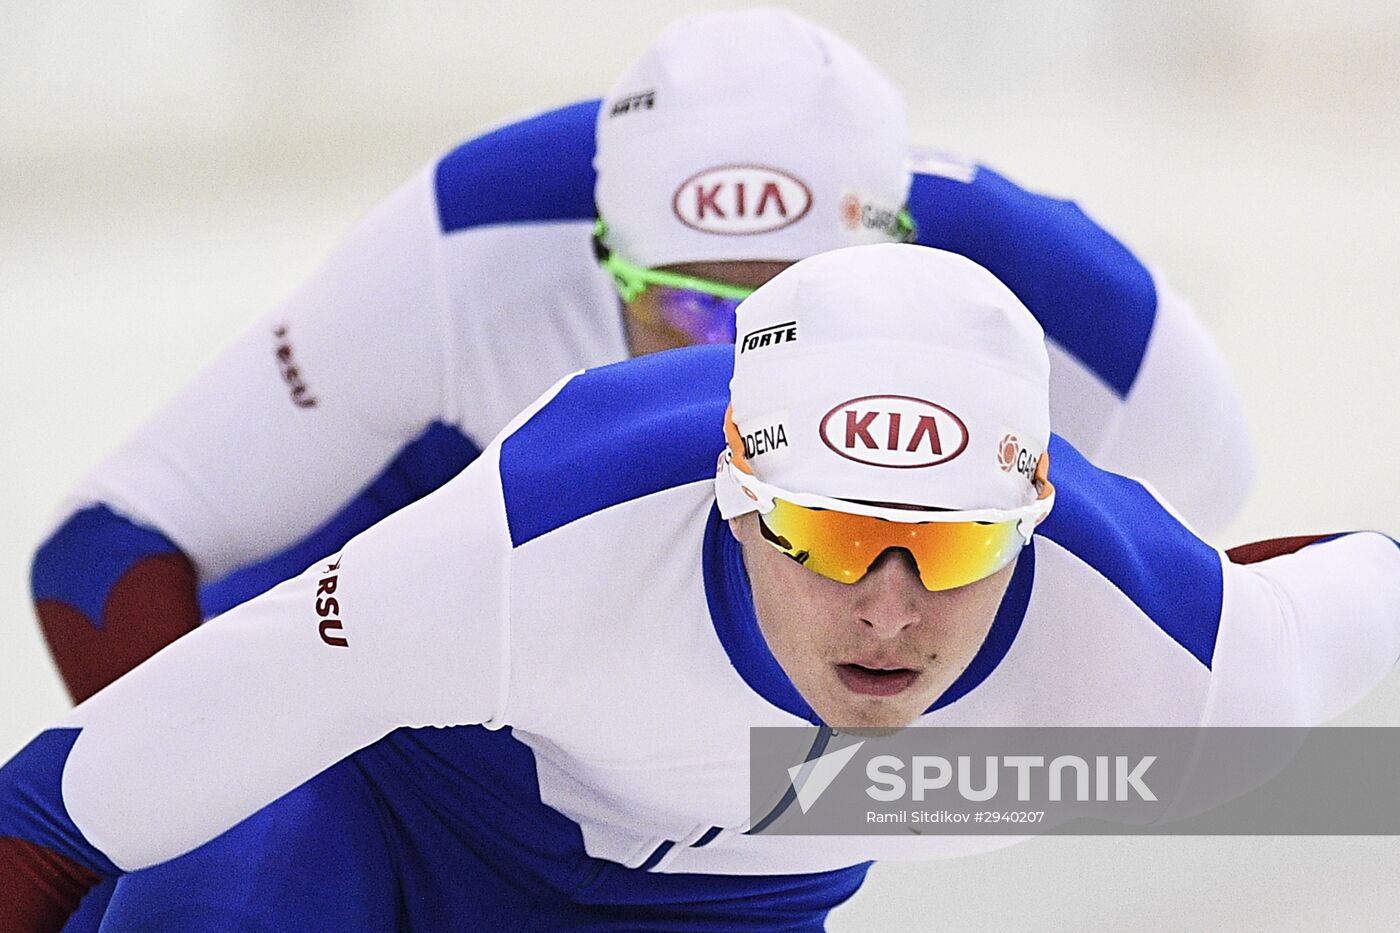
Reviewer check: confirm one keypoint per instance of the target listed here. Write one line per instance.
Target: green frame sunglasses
(632, 280)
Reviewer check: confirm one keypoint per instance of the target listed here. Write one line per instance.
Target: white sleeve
(412, 631)
(302, 411)
(1306, 635)
(1182, 425)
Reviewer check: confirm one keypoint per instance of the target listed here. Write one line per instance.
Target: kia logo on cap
(741, 200)
(896, 431)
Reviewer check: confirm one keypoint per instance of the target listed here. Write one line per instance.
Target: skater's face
(870, 654)
(662, 318)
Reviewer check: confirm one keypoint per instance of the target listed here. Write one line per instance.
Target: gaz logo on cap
(1013, 456)
(858, 213)
(741, 199)
(896, 431)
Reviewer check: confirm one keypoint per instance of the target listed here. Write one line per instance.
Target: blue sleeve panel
(536, 170)
(1118, 528)
(614, 434)
(1090, 294)
(437, 455)
(317, 859)
(83, 560)
(31, 801)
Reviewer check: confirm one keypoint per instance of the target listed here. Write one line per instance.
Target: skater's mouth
(880, 680)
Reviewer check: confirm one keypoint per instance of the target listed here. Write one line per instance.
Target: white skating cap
(749, 135)
(892, 374)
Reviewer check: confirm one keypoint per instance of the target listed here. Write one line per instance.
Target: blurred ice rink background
(169, 170)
